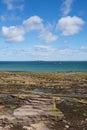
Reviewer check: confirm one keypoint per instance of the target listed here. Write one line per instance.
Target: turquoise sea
(43, 66)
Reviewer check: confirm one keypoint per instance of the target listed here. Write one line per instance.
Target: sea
(43, 66)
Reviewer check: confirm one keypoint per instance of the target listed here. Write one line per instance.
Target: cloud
(2, 18)
(65, 41)
(70, 25)
(16, 33)
(66, 7)
(11, 6)
(9, 18)
(47, 36)
(33, 23)
(55, 53)
(83, 49)
(70, 51)
(66, 51)
(43, 48)
(20, 7)
(36, 23)
(13, 33)
(12, 17)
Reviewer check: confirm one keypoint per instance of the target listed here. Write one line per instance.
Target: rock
(85, 119)
(38, 126)
(10, 96)
(26, 110)
(27, 128)
(65, 121)
(7, 119)
(7, 127)
(1, 128)
(67, 126)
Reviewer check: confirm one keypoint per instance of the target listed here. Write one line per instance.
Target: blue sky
(43, 30)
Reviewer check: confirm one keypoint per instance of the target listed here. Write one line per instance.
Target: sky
(47, 30)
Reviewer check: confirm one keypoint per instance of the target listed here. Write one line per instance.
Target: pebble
(67, 126)
(86, 119)
(1, 128)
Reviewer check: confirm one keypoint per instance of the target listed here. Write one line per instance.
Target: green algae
(56, 111)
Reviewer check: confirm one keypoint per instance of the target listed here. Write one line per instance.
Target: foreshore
(45, 100)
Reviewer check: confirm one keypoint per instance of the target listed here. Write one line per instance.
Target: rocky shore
(43, 101)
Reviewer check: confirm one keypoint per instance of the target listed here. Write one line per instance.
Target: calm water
(38, 66)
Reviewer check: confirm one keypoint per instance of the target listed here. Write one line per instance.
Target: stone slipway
(34, 114)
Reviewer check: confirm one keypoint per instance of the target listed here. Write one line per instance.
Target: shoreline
(43, 71)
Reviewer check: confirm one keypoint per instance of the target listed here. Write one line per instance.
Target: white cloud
(20, 7)
(10, 17)
(65, 51)
(33, 23)
(43, 48)
(83, 47)
(16, 33)
(10, 4)
(13, 17)
(65, 41)
(13, 33)
(36, 23)
(70, 25)
(2, 18)
(47, 36)
(66, 7)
